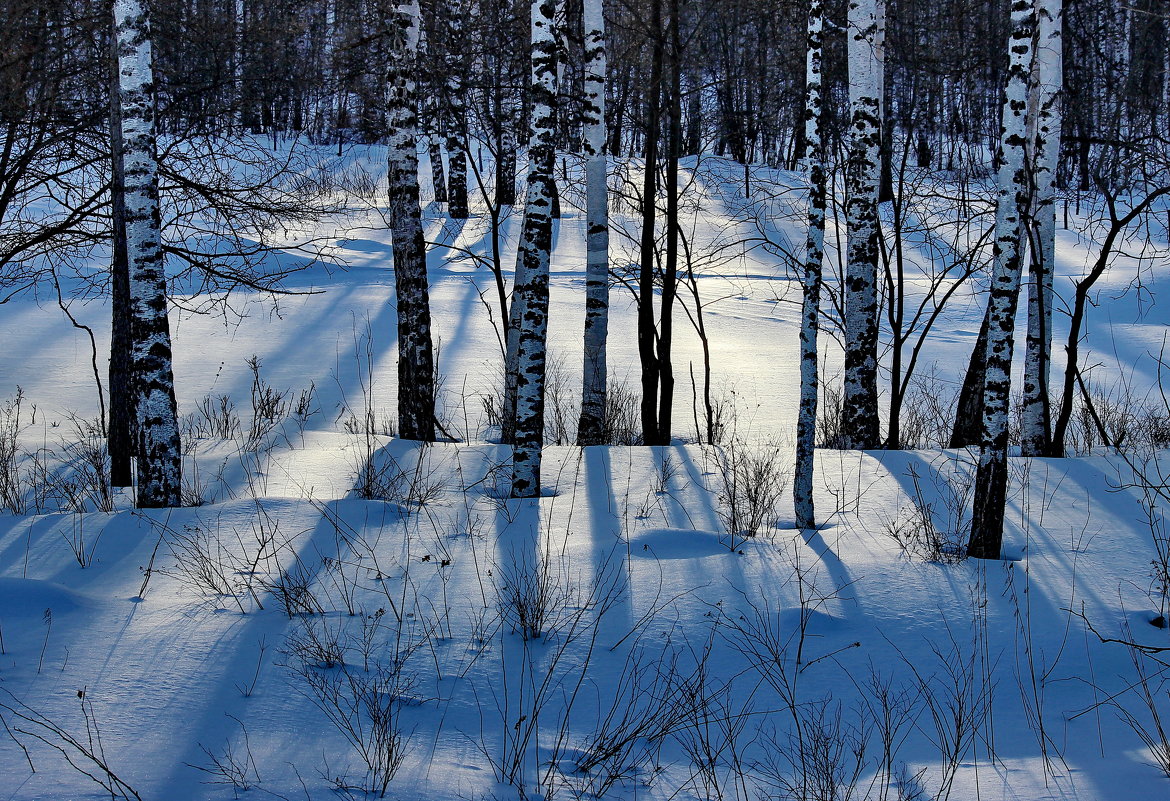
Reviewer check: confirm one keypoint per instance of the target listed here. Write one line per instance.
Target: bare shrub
(366, 708)
(935, 530)
(623, 418)
(80, 482)
(828, 761)
(71, 475)
(1113, 417)
(234, 766)
(316, 643)
(220, 564)
(305, 406)
(269, 406)
(365, 703)
(831, 415)
(82, 546)
(214, 418)
(493, 406)
(11, 480)
(84, 753)
(292, 588)
(713, 735)
(542, 672)
(928, 409)
(1150, 688)
(957, 700)
(534, 591)
(560, 404)
(1153, 503)
(648, 704)
(751, 481)
(384, 478)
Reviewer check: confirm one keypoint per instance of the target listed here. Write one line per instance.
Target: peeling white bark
(866, 43)
(1013, 189)
(592, 423)
(1047, 72)
(806, 424)
(456, 112)
(159, 452)
(532, 263)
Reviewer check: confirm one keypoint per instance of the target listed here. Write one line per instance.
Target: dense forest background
(317, 69)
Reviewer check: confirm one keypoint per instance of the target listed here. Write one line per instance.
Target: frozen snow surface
(612, 638)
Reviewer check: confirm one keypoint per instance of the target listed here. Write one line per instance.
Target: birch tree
(532, 263)
(1012, 186)
(591, 429)
(456, 69)
(416, 365)
(159, 452)
(806, 423)
(866, 41)
(1035, 423)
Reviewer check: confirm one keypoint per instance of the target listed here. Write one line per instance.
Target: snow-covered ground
(293, 639)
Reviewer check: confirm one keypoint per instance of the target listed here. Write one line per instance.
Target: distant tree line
(317, 68)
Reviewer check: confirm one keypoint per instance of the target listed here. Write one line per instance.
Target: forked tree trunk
(416, 366)
(1035, 424)
(532, 265)
(866, 33)
(159, 452)
(806, 423)
(1011, 204)
(591, 428)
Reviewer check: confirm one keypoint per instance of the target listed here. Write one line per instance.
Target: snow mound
(676, 543)
(20, 597)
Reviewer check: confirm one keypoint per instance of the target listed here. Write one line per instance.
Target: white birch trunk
(1013, 191)
(456, 113)
(532, 264)
(866, 33)
(159, 453)
(1035, 433)
(806, 424)
(416, 370)
(438, 175)
(591, 429)
(505, 194)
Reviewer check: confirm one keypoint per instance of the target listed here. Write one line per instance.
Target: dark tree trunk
(969, 410)
(120, 426)
(670, 274)
(647, 346)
